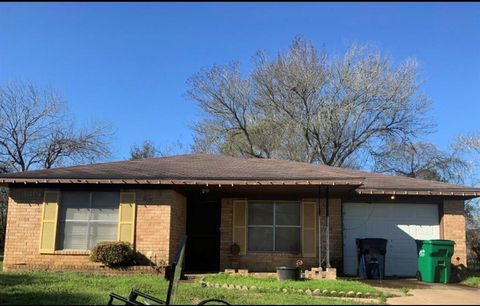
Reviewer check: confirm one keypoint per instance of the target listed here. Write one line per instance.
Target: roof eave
(329, 182)
(467, 193)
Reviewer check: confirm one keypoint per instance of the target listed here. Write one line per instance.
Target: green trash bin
(434, 260)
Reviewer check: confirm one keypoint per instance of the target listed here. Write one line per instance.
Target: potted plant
(234, 255)
(290, 273)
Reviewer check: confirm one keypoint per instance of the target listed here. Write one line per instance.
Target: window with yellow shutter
(49, 222)
(309, 228)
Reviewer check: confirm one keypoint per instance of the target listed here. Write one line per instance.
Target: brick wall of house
(22, 239)
(161, 214)
(155, 211)
(269, 261)
(226, 233)
(453, 228)
(178, 224)
(152, 230)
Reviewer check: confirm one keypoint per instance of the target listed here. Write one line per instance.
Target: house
(253, 214)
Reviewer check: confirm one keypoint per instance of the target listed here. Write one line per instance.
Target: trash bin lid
(439, 242)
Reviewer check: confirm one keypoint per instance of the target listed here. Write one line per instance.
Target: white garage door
(401, 224)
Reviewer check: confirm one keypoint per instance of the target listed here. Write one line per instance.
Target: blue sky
(127, 63)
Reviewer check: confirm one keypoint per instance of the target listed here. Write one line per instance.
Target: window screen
(274, 226)
(86, 218)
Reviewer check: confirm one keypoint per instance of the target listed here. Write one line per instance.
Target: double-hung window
(86, 218)
(274, 226)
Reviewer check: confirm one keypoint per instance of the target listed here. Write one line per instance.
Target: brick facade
(453, 228)
(178, 223)
(160, 225)
(452, 225)
(160, 214)
(264, 262)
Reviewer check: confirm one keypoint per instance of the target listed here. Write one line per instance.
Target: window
(86, 218)
(274, 226)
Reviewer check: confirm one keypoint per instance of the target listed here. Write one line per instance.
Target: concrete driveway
(428, 294)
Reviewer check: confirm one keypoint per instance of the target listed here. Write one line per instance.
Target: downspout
(327, 232)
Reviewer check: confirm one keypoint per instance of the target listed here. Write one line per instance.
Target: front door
(203, 231)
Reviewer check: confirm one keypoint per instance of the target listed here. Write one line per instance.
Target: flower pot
(288, 273)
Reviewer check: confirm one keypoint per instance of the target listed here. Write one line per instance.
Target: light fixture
(392, 197)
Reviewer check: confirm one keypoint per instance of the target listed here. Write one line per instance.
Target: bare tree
(146, 150)
(469, 144)
(421, 160)
(304, 105)
(36, 131)
(173, 148)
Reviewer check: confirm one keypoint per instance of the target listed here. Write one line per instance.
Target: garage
(400, 224)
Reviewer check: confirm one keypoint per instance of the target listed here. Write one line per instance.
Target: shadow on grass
(45, 298)
(31, 289)
(16, 279)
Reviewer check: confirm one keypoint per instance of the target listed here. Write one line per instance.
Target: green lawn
(77, 288)
(273, 283)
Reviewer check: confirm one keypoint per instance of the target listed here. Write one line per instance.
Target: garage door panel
(400, 213)
(402, 267)
(426, 212)
(400, 224)
(396, 246)
(397, 231)
(353, 223)
(422, 230)
(377, 211)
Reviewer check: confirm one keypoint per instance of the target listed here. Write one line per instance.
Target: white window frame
(274, 225)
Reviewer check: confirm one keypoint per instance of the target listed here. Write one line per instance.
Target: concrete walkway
(428, 294)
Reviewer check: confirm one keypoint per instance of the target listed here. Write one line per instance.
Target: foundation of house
(317, 273)
(313, 273)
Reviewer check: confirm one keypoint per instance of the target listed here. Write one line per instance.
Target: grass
(473, 278)
(472, 281)
(273, 283)
(77, 288)
(405, 291)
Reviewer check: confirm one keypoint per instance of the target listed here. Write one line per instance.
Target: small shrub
(112, 253)
(383, 299)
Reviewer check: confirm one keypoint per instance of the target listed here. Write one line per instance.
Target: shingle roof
(206, 168)
(192, 167)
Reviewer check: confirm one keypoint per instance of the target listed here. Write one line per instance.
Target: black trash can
(371, 257)
(288, 273)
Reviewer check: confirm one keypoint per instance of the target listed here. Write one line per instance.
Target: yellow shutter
(309, 228)
(48, 230)
(126, 217)
(240, 217)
